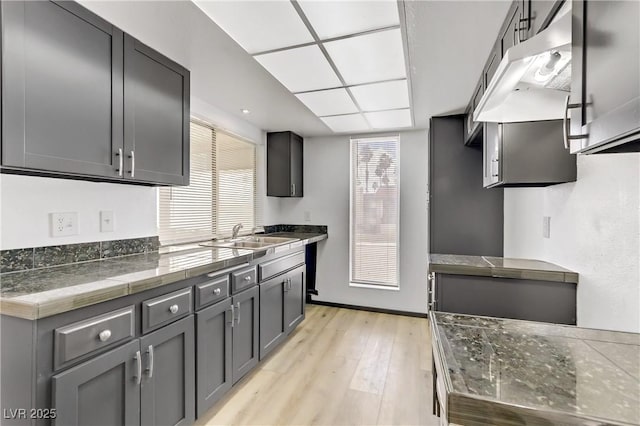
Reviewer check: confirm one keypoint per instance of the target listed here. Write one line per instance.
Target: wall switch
(546, 226)
(64, 224)
(106, 221)
(307, 216)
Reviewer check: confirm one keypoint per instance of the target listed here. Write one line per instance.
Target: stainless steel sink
(250, 243)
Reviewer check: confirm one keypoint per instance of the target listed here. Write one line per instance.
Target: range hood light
(546, 71)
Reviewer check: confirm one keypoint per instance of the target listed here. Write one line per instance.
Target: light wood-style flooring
(339, 367)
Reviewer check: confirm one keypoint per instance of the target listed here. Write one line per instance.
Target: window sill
(375, 287)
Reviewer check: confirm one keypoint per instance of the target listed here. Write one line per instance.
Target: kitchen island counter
(502, 371)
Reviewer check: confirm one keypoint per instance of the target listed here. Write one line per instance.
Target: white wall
(326, 197)
(595, 231)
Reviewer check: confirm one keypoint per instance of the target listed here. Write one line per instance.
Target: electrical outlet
(64, 224)
(107, 221)
(307, 216)
(546, 226)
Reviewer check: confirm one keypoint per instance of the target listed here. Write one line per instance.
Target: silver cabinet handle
(138, 359)
(174, 309)
(120, 161)
(290, 285)
(286, 285)
(217, 291)
(104, 335)
(293, 189)
(565, 124)
(133, 163)
(238, 310)
(233, 314)
(212, 274)
(150, 365)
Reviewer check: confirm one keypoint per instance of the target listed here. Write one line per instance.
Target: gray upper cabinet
(102, 391)
(471, 127)
(168, 384)
(284, 164)
(294, 299)
(540, 14)
(526, 154)
(605, 77)
(61, 89)
(245, 332)
(214, 356)
(156, 116)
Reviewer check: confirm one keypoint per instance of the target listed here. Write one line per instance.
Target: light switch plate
(546, 226)
(63, 224)
(107, 221)
(307, 216)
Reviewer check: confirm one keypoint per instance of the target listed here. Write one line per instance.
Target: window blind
(374, 211)
(221, 193)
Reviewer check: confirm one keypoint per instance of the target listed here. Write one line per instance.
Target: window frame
(371, 284)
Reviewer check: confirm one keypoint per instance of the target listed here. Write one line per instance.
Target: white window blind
(374, 211)
(221, 193)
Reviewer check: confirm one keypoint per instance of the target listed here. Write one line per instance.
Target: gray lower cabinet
(294, 299)
(272, 314)
(168, 385)
(103, 391)
(149, 381)
(214, 354)
(245, 333)
(62, 89)
(605, 76)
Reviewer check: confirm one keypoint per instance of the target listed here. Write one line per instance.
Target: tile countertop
(500, 267)
(43, 292)
(502, 371)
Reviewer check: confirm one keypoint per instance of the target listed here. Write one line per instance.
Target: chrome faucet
(236, 229)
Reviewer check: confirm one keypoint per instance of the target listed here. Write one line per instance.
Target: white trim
(375, 286)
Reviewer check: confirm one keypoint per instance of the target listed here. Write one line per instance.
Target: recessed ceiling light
(380, 96)
(328, 102)
(389, 119)
(245, 111)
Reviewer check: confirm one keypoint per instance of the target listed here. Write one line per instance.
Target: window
(375, 196)
(221, 193)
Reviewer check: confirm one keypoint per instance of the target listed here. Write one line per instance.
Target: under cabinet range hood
(533, 79)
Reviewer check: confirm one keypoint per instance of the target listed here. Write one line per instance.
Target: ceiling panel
(389, 119)
(346, 123)
(328, 102)
(379, 96)
(369, 58)
(258, 26)
(339, 18)
(301, 69)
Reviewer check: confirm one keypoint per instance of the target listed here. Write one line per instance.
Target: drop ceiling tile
(338, 18)
(328, 102)
(256, 25)
(301, 69)
(369, 58)
(389, 119)
(346, 123)
(379, 96)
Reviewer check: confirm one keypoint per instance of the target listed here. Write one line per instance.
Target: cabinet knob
(217, 291)
(247, 278)
(104, 335)
(173, 309)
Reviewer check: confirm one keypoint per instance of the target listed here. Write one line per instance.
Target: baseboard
(367, 308)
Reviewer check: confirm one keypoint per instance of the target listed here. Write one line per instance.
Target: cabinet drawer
(78, 339)
(277, 266)
(243, 279)
(165, 309)
(212, 291)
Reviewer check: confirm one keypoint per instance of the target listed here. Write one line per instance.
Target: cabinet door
(605, 70)
(213, 349)
(294, 299)
(102, 391)
(492, 65)
(296, 165)
(245, 332)
(510, 34)
(168, 384)
(61, 89)
(491, 154)
(272, 323)
(156, 116)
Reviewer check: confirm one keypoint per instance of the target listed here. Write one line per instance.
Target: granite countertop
(503, 371)
(500, 267)
(43, 292)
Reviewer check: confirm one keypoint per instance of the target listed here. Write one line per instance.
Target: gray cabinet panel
(272, 311)
(213, 354)
(284, 164)
(156, 114)
(62, 89)
(605, 74)
(295, 164)
(245, 332)
(294, 304)
(102, 391)
(168, 384)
